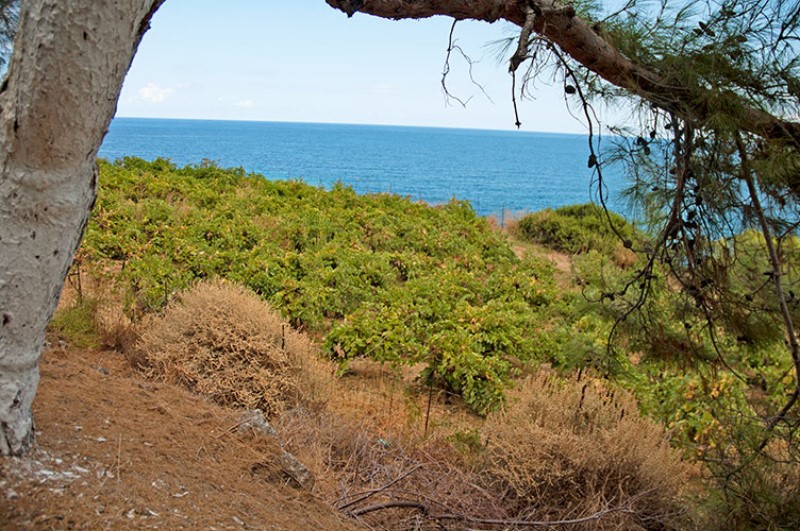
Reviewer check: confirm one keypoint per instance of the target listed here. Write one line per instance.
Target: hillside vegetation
(383, 278)
(374, 276)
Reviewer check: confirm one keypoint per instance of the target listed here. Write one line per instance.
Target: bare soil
(115, 450)
(562, 263)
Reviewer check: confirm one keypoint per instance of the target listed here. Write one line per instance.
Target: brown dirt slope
(117, 451)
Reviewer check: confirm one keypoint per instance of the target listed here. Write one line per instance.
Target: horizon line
(244, 120)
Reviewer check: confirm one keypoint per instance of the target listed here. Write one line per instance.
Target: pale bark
(69, 61)
(578, 39)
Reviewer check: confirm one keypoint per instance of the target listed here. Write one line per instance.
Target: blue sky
(302, 61)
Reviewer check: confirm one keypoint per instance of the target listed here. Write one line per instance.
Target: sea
(502, 173)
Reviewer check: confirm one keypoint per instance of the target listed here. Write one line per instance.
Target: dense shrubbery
(712, 392)
(394, 280)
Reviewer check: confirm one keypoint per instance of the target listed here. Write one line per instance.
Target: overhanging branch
(576, 38)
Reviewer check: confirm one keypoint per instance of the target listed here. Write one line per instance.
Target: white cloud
(154, 94)
(244, 104)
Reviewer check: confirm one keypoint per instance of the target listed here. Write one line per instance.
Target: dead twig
(366, 495)
(391, 505)
(624, 508)
(453, 47)
(532, 523)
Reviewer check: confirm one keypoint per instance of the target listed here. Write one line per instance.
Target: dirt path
(562, 263)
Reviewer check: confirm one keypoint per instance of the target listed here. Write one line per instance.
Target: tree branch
(579, 40)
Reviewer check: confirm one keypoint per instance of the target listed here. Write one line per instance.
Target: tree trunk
(70, 58)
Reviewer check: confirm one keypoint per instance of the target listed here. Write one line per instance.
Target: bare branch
(524, 40)
(446, 69)
(453, 47)
(403, 504)
(365, 495)
(776, 277)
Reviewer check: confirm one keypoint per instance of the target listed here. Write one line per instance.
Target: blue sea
(497, 171)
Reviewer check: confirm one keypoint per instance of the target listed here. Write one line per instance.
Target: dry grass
(553, 456)
(563, 450)
(570, 449)
(507, 221)
(385, 481)
(221, 341)
(90, 312)
(117, 451)
(624, 258)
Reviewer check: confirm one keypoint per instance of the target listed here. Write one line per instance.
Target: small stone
(254, 421)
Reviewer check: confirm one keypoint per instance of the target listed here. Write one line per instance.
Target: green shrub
(76, 323)
(577, 229)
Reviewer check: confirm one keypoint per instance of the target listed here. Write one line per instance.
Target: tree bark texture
(580, 40)
(70, 58)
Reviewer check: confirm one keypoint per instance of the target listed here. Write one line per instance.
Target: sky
(302, 61)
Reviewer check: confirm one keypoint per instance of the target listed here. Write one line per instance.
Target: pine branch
(577, 38)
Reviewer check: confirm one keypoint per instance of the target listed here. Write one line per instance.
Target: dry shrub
(571, 449)
(624, 258)
(115, 329)
(388, 482)
(493, 221)
(222, 341)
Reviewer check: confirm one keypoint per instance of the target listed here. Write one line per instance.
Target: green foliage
(376, 276)
(577, 229)
(750, 311)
